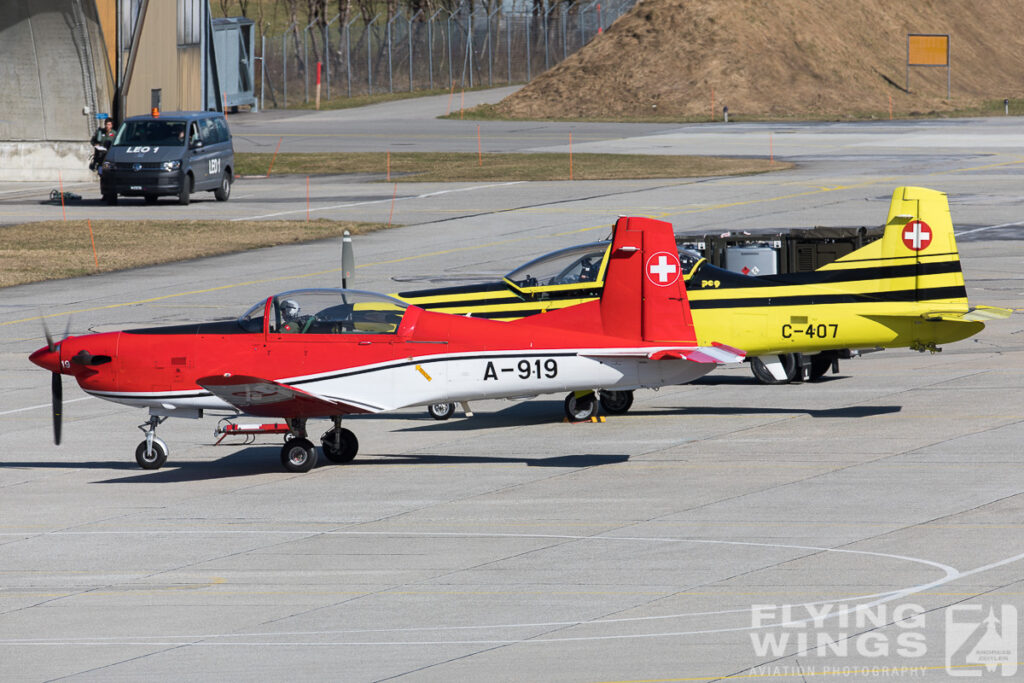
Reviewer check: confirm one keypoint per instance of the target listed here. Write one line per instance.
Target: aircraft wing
(267, 398)
(716, 353)
(974, 314)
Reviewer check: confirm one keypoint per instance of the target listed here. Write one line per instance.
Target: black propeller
(57, 394)
(56, 382)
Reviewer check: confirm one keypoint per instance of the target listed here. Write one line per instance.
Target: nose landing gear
(151, 454)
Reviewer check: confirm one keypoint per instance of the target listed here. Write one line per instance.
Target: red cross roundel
(917, 235)
(663, 268)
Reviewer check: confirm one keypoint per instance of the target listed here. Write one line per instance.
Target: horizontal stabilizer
(716, 353)
(974, 314)
(267, 398)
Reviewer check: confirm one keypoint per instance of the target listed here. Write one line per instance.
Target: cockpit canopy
(326, 311)
(577, 265)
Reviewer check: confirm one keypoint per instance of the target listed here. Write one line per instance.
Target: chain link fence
(466, 48)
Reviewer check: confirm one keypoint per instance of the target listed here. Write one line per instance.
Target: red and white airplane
(326, 353)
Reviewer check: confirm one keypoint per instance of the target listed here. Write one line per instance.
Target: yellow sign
(927, 50)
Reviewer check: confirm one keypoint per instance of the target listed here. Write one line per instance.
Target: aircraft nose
(47, 358)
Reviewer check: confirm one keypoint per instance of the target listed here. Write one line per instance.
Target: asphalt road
(693, 539)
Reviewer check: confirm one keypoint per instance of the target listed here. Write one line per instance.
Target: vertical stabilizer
(916, 260)
(644, 294)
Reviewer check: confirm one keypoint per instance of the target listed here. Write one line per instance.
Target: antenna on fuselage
(348, 259)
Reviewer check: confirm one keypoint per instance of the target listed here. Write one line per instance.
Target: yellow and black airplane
(905, 289)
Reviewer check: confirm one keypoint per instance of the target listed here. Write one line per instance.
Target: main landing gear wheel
(151, 456)
(616, 402)
(441, 411)
(582, 408)
(820, 364)
(340, 445)
(298, 455)
(764, 376)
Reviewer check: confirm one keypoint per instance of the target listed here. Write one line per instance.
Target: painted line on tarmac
(42, 405)
(377, 201)
(949, 574)
(988, 227)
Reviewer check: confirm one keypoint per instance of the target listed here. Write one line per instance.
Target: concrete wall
(51, 58)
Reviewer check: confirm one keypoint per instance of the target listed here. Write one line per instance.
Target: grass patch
(466, 167)
(53, 250)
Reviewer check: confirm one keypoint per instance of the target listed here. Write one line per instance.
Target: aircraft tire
(581, 409)
(441, 411)
(110, 199)
(616, 402)
(298, 455)
(764, 376)
(820, 364)
(349, 446)
(150, 198)
(153, 460)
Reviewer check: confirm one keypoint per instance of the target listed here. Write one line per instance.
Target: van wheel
(186, 190)
(110, 199)
(224, 191)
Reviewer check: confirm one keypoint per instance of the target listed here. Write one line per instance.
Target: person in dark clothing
(101, 141)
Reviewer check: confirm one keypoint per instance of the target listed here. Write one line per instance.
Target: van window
(221, 127)
(153, 133)
(207, 132)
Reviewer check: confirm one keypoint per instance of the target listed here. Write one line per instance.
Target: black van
(173, 153)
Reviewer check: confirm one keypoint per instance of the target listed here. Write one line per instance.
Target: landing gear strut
(340, 445)
(151, 454)
(298, 453)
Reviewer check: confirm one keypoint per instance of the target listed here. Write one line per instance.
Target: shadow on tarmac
(265, 460)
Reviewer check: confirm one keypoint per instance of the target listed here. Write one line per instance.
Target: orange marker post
(392, 212)
(60, 182)
(479, 148)
(462, 103)
(95, 258)
(307, 199)
(271, 167)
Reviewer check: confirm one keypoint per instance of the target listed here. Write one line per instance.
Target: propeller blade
(348, 259)
(46, 333)
(57, 396)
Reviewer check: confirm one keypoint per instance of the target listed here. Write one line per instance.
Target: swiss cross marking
(663, 268)
(917, 235)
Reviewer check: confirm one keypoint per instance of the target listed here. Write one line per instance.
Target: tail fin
(916, 260)
(644, 268)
